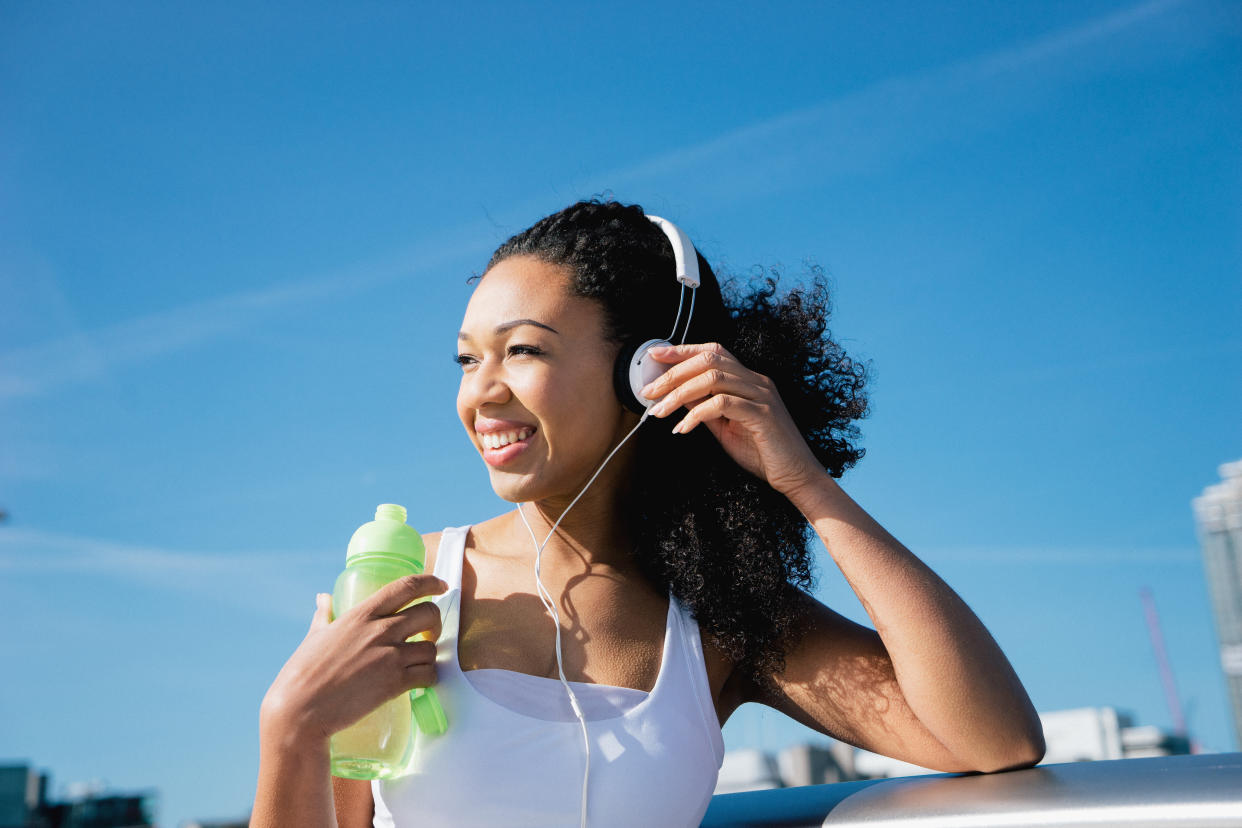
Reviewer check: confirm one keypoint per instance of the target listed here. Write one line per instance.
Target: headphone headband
(687, 265)
(634, 368)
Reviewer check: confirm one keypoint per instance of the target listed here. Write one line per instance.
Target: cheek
(465, 413)
(581, 396)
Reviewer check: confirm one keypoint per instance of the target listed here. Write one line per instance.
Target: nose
(485, 384)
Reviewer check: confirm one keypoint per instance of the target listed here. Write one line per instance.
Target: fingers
(392, 597)
(711, 382)
(416, 653)
(723, 405)
(423, 617)
(677, 353)
(417, 664)
(693, 360)
(402, 667)
(323, 612)
(419, 675)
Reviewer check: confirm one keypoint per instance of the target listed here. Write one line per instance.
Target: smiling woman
(672, 592)
(547, 373)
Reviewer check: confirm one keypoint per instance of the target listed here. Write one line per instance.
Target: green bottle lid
(428, 713)
(388, 535)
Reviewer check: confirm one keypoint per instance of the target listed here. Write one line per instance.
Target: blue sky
(233, 249)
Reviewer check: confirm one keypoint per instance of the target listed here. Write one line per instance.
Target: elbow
(1022, 750)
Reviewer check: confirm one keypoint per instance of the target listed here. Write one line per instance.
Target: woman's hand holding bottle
(345, 669)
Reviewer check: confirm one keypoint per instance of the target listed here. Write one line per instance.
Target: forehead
(522, 287)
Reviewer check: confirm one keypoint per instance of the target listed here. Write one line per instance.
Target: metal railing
(1203, 791)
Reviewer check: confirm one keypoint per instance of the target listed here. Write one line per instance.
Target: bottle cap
(428, 714)
(388, 535)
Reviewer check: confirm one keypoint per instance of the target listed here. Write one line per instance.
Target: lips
(500, 448)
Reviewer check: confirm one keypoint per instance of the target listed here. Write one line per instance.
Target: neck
(591, 532)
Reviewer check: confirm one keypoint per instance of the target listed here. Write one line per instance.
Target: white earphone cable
(694, 292)
(550, 605)
(677, 321)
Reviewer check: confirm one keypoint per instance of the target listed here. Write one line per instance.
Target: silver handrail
(1203, 791)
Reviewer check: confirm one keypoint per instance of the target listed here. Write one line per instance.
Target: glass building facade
(1218, 513)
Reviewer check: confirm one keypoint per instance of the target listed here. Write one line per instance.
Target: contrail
(273, 583)
(857, 131)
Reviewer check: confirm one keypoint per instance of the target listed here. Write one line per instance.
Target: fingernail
(659, 409)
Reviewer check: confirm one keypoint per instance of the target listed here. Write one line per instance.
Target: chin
(512, 488)
(526, 487)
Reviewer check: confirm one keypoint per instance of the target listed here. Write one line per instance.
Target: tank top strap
(690, 643)
(450, 554)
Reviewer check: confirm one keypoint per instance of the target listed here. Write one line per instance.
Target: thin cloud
(881, 123)
(1085, 34)
(33, 550)
(86, 356)
(282, 584)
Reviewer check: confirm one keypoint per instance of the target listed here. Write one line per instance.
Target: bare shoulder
(431, 540)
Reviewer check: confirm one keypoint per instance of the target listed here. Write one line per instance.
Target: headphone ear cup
(621, 378)
(633, 370)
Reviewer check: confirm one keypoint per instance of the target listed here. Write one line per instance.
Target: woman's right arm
(340, 672)
(294, 786)
(355, 807)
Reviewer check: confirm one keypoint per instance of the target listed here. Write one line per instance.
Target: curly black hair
(735, 550)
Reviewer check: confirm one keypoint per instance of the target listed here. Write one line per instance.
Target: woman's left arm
(929, 684)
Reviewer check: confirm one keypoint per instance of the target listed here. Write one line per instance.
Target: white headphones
(633, 371)
(634, 368)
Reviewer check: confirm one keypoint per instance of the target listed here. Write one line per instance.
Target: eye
(530, 350)
(513, 350)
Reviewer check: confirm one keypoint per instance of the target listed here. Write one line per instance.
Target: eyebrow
(507, 326)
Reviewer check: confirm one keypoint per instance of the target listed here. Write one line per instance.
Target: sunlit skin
(558, 380)
(927, 685)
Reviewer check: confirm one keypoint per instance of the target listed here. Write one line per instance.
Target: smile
(500, 439)
(501, 447)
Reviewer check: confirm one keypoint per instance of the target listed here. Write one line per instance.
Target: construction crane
(1162, 662)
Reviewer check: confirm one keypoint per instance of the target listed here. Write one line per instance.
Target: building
(24, 803)
(22, 792)
(1085, 734)
(748, 769)
(1218, 513)
(1081, 735)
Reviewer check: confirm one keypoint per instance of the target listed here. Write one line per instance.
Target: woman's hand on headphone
(345, 669)
(740, 407)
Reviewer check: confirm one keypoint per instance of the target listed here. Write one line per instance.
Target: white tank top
(513, 753)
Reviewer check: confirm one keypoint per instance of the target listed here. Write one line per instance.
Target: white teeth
(497, 439)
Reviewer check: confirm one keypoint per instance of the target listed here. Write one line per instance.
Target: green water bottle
(378, 746)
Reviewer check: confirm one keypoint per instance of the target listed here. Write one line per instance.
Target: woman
(678, 579)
